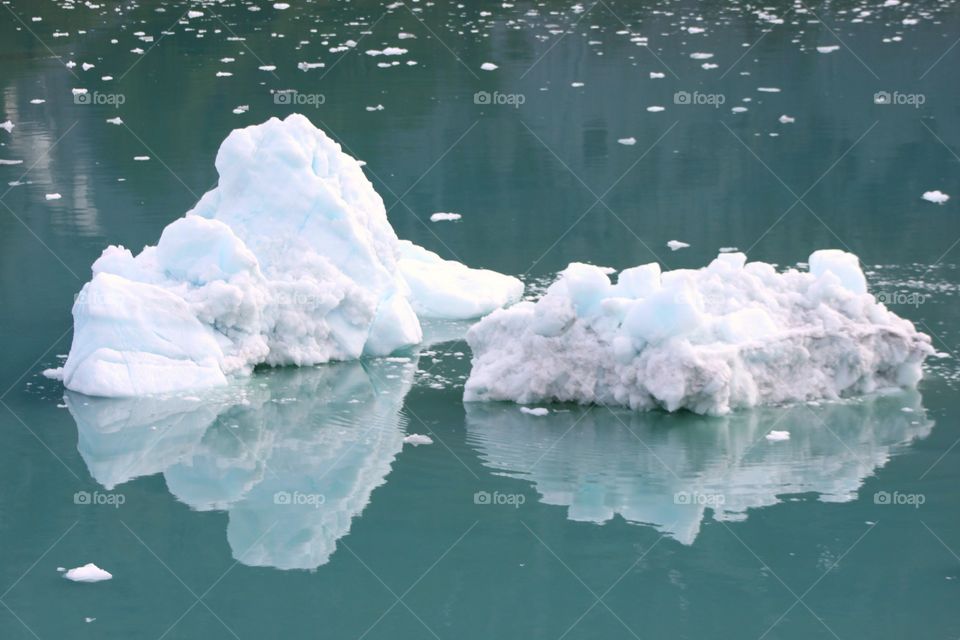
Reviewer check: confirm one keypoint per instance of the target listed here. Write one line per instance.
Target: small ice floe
(243, 108)
(417, 439)
(224, 74)
(441, 216)
(695, 30)
(576, 85)
(656, 75)
(405, 36)
(37, 101)
(194, 14)
(936, 197)
(655, 109)
(389, 51)
(738, 109)
(379, 107)
(267, 67)
(4, 162)
(489, 66)
(86, 66)
(78, 91)
(676, 245)
(536, 411)
(701, 56)
(627, 141)
(785, 119)
(280, 6)
(8, 125)
(768, 89)
(307, 66)
(709, 65)
(88, 620)
(828, 48)
(53, 196)
(777, 436)
(88, 573)
(53, 374)
(728, 249)
(115, 120)
(141, 158)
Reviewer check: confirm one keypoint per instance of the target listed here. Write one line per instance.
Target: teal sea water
(288, 505)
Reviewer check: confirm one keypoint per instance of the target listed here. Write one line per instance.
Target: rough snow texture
(289, 260)
(710, 340)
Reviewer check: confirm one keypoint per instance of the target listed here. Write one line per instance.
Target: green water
(288, 505)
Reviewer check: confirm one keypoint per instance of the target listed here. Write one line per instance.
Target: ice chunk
(828, 48)
(289, 260)
(416, 439)
(777, 436)
(7, 126)
(441, 216)
(676, 244)
(536, 411)
(936, 197)
(489, 66)
(629, 142)
(730, 335)
(87, 573)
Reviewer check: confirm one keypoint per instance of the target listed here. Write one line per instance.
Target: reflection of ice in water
(667, 470)
(292, 455)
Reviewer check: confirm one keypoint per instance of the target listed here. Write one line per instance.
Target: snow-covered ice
(709, 340)
(777, 436)
(88, 573)
(417, 439)
(627, 141)
(535, 411)
(289, 260)
(676, 245)
(489, 66)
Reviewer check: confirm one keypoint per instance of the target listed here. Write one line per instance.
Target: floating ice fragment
(676, 244)
(785, 119)
(828, 48)
(116, 120)
(656, 75)
(701, 56)
(536, 411)
(243, 108)
(627, 141)
(777, 436)
(87, 573)
(417, 439)
(655, 109)
(441, 216)
(576, 85)
(141, 158)
(53, 196)
(936, 197)
(768, 89)
(488, 66)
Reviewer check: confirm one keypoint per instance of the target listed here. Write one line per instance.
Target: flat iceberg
(289, 260)
(727, 336)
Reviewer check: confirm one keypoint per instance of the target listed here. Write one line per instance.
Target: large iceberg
(727, 336)
(289, 260)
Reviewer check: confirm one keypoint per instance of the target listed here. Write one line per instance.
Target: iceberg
(730, 335)
(290, 260)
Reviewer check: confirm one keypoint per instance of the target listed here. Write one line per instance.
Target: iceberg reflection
(667, 470)
(291, 454)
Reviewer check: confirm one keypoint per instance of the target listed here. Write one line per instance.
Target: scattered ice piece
(738, 109)
(768, 89)
(676, 244)
(695, 30)
(53, 196)
(280, 6)
(405, 36)
(576, 85)
(86, 66)
(656, 75)
(53, 374)
(536, 411)
(785, 119)
(89, 619)
(709, 65)
(307, 66)
(489, 66)
(10, 162)
(243, 108)
(777, 436)
(828, 48)
(655, 109)
(389, 51)
(441, 216)
(141, 158)
(728, 249)
(417, 439)
(701, 56)
(116, 120)
(267, 67)
(61, 569)
(194, 14)
(627, 141)
(37, 101)
(224, 74)
(87, 573)
(936, 197)
(8, 125)
(379, 107)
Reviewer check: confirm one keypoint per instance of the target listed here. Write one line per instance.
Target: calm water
(288, 505)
